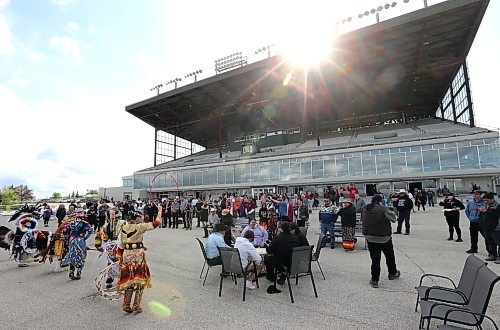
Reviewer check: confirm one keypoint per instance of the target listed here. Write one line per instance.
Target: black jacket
(490, 217)
(348, 216)
(374, 221)
(453, 204)
(302, 239)
(281, 248)
(404, 203)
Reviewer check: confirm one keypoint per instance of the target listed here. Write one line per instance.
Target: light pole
(263, 49)
(157, 88)
(193, 74)
(173, 81)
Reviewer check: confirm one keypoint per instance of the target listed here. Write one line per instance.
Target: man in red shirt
(353, 190)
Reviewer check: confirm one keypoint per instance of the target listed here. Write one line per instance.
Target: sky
(68, 68)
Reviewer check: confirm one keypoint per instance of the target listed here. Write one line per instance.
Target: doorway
(413, 185)
(371, 189)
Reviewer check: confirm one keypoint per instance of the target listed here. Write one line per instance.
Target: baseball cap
(488, 196)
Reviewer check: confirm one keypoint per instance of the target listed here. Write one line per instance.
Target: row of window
(257, 136)
(428, 158)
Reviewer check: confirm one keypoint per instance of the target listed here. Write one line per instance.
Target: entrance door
(413, 185)
(371, 189)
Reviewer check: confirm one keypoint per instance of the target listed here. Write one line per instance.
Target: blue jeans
(328, 227)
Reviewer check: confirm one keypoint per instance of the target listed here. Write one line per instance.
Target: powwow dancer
(27, 239)
(76, 233)
(108, 236)
(134, 271)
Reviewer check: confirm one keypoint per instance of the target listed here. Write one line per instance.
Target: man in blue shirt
(216, 239)
(472, 212)
(327, 218)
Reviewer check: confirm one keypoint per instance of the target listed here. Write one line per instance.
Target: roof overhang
(404, 64)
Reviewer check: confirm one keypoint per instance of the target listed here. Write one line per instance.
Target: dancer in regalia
(76, 233)
(108, 236)
(134, 271)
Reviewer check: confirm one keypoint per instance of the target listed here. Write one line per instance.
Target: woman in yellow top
(134, 270)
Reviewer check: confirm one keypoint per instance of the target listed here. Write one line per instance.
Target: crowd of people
(272, 223)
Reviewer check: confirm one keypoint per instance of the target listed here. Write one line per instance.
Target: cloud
(49, 154)
(17, 80)
(67, 46)
(63, 3)
(74, 26)
(91, 29)
(4, 4)
(6, 47)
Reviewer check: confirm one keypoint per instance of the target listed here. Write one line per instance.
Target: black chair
(207, 262)
(445, 326)
(458, 294)
(471, 314)
(231, 265)
(315, 256)
(300, 266)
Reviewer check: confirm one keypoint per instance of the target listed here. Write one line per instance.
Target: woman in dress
(134, 270)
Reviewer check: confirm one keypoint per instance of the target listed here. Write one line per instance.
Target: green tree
(56, 195)
(9, 196)
(24, 192)
(92, 192)
(73, 194)
(77, 195)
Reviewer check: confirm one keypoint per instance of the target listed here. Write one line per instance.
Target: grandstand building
(391, 108)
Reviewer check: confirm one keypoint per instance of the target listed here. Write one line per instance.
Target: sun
(306, 36)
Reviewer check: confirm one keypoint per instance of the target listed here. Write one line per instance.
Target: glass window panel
(221, 175)
(355, 167)
(264, 171)
(394, 150)
(414, 162)
(330, 169)
(238, 169)
(450, 144)
(425, 148)
(463, 143)
(469, 158)
(294, 170)
(185, 178)
(477, 142)
(408, 149)
(383, 151)
(383, 164)
(438, 146)
(431, 160)
(192, 177)
(449, 159)
(341, 166)
(274, 170)
(305, 169)
(489, 156)
(369, 165)
(490, 141)
(229, 174)
(255, 172)
(317, 169)
(245, 174)
(284, 172)
(198, 177)
(398, 163)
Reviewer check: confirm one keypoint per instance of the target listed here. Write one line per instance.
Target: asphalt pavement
(42, 296)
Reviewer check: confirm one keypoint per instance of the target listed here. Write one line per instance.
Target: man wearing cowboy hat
(404, 205)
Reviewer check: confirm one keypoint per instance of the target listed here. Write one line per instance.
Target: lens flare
(159, 309)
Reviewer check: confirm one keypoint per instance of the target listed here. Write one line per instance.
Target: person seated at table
(216, 239)
(260, 234)
(294, 228)
(280, 252)
(248, 254)
(227, 220)
(213, 219)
